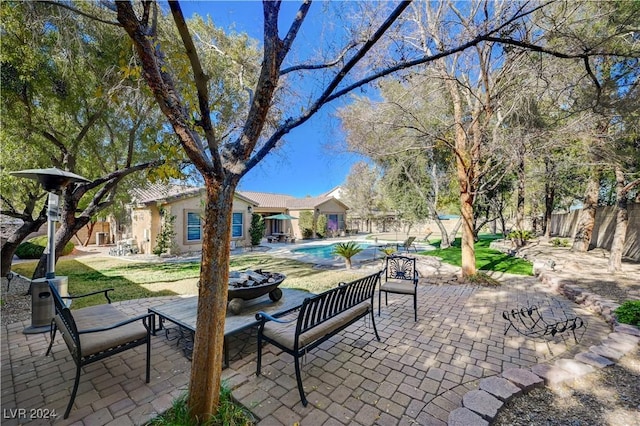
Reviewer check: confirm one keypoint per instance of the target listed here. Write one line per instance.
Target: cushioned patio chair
(408, 243)
(97, 332)
(400, 277)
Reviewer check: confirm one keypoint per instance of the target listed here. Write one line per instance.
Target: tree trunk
(521, 193)
(68, 228)
(445, 242)
(587, 218)
(468, 249)
(90, 227)
(206, 366)
(622, 219)
(10, 246)
(549, 199)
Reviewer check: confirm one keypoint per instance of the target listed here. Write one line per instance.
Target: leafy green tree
(68, 102)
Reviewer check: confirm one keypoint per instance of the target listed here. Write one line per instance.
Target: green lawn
(486, 259)
(95, 273)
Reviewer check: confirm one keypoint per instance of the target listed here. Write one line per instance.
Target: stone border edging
(480, 407)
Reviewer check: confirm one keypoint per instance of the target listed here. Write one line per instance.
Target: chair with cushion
(407, 244)
(97, 332)
(400, 277)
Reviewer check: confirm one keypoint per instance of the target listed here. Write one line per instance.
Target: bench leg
(54, 328)
(74, 392)
(373, 321)
(303, 398)
(259, 360)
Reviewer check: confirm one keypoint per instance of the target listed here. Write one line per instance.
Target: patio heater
(53, 181)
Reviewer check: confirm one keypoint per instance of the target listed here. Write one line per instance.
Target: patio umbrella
(281, 216)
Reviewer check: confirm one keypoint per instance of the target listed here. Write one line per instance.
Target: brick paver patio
(417, 374)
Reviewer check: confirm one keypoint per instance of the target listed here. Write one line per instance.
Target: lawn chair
(97, 332)
(408, 243)
(400, 277)
(426, 238)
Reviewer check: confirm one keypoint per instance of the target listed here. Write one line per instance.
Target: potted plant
(347, 250)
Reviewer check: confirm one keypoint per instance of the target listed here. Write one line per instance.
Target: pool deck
(370, 253)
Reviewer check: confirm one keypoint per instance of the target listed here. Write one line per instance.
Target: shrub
(321, 226)
(164, 240)
(256, 231)
(560, 242)
(520, 236)
(629, 312)
(347, 250)
(33, 248)
(305, 223)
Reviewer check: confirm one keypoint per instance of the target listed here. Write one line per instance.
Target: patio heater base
(36, 330)
(42, 310)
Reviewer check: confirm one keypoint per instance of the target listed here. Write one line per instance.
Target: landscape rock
(499, 387)
(483, 403)
(524, 379)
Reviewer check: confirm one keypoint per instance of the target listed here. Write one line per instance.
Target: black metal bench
(320, 317)
(97, 332)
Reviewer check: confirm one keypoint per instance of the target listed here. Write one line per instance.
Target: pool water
(323, 252)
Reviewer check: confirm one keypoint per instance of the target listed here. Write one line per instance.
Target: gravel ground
(610, 396)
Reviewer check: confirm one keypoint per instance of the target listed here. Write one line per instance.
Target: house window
(335, 222)
(237, 225)
(194, 227)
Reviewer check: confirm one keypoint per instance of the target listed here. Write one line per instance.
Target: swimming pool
(323, 252)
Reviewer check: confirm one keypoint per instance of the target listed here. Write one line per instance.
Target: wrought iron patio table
(183, 313)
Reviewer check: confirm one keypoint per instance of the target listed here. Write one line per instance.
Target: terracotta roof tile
(161, 191)
(265, 199)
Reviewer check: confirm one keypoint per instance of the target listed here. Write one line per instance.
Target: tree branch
(319, 66)
(200, 79)
(79, 12)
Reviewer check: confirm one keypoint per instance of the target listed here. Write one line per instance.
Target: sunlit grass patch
(487, 259)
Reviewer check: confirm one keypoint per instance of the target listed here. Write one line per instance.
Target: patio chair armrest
(105, 291)
(264, 317)
(144, 317)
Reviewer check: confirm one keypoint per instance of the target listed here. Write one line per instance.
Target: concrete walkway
(418, 373)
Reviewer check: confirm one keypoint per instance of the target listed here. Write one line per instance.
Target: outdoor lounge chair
(400, 277)
(408, 243)
(426, 238)
(96, 332)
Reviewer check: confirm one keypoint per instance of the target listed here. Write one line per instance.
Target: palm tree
(347, 250)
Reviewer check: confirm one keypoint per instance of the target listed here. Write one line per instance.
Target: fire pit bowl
(247, 285)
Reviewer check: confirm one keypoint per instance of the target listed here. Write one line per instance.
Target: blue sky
(306, 164)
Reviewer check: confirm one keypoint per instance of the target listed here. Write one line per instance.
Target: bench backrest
(319, 308)
(65, 322)
(408, 242)
(400, 268)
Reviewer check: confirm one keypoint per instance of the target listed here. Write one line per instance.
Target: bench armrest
(105, 291)
(264, 317)
(143, 317)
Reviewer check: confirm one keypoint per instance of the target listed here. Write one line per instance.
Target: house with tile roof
(272, 204)
(151, 204)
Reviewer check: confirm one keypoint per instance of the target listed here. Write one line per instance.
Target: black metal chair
(400, 277)
(97, 332)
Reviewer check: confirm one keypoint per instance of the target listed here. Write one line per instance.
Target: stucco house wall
(146, 222)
